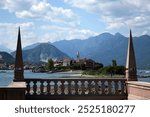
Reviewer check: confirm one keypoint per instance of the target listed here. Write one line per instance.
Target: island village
(66, 62)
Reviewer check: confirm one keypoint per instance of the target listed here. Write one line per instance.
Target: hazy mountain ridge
(42, 52)
(6, 58)
(31, 46)
(105, 47)
(3, 48)
(102, 48)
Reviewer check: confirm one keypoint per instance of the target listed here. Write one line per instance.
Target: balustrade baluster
(103, 87)
(55, 88)
(59, 87)
(119, 88)
(82, 87)
(48, 87)
(106, 90)
(96, 87)
(109, 88)
(123, 88)
(66, 87)
(86, 91)
(62, 87)
(69, 87)
(73, 87)
(42, 86)
(34, 87)
(116, 87)
(76, 87)
(28, 87)
(89, 87)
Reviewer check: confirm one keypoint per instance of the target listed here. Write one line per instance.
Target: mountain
(101, 48)
(83, 46)
(6, 58)
(4, 49)
(31, 46)
(42, 52)
(142, 51)
(105, 47)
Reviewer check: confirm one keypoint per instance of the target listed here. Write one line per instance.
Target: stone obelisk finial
(19, 71)
(131, 62)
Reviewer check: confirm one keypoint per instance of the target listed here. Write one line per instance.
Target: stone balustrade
(76, 88)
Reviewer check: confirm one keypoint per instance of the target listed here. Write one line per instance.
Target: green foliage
(62, 68)
(120, 70)
(107, 70)
(76, 66)
(114, 63)
(98, 66)
(50, 65)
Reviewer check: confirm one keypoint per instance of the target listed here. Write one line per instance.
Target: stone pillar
(19, 71)
(131, 73)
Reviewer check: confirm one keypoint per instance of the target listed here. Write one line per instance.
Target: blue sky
(54, 20)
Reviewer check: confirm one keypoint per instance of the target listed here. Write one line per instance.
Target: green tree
(120, 70)
(114, 63)
(50, 65)
(98, 66)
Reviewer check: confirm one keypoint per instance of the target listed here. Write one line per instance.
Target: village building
(58, 63)
(3, 66)
(89, 63)
(11, 67)
(66, 62)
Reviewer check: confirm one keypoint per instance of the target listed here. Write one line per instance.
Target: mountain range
(101, 48)
(106, 47)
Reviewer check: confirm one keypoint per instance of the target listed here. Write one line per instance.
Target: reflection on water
(6, 77)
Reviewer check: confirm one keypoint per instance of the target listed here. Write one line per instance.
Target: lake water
(6, 77)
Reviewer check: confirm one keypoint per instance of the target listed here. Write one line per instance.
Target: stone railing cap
(17, 85)
(140, 83)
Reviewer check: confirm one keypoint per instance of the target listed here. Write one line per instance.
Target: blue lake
(6, 77)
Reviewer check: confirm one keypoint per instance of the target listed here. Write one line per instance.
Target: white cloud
(56, 33)
(49, 33)
(118, 14)
(40, 9)
(16, 5)
(9, 31)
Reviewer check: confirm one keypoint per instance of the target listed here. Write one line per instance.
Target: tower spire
(78, 55)
(19, 71)
(131, 62)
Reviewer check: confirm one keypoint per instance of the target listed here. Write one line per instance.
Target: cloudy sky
(54, 20)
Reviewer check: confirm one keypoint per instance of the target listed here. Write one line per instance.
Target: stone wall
(15, 91)
(138, 90)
